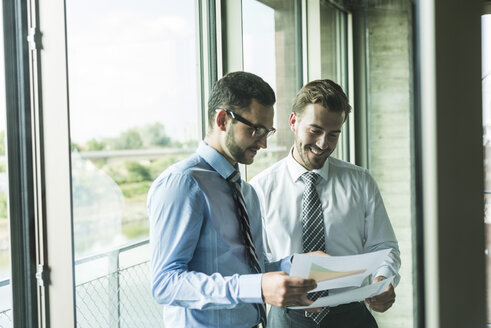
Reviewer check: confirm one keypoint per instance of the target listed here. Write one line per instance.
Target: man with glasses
(207, 257)
(313, 202)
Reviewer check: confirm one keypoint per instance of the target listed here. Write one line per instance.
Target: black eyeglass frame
(259, 131)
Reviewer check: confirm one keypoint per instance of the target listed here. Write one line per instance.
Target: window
(486, 111)
(334, 65)
(388, 45)
(134, 110)
(5, 269)
(270, 50)
(136, 107)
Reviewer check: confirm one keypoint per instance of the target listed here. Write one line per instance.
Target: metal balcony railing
(5, 315)
(119, 297)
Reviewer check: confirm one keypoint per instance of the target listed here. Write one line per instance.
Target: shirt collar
(296, 170)
(215, 160)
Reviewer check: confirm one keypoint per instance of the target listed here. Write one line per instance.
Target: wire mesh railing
(119, 298)
(112, 290)
(6, 318)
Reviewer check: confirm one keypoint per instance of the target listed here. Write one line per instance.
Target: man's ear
(292, 120)
(221, 120)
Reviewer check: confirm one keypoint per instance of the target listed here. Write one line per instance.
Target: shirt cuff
(286, 264)
(250, 288)
(387, 272)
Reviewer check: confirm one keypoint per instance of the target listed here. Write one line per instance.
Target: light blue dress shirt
(199, 268)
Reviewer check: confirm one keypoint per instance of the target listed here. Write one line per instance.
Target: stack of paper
(332, 272)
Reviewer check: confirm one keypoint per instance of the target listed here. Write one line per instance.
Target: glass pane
(133, 111)
(389, 89)
(332, 22)
(333, 60)
(269, 45)
(486, 112)
(5, 273)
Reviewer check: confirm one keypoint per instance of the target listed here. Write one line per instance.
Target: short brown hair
(324, 92)
(236, 90)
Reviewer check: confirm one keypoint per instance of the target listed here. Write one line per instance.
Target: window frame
(21, 199)
(443, 201)
(54, 173)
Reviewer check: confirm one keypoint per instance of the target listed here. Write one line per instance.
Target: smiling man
(207, 258)
(313, 202)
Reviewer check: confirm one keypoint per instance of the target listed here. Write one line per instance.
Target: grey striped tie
(313, 235)
(245, 228)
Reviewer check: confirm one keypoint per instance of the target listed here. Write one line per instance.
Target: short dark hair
(324, 92)
(236, 90)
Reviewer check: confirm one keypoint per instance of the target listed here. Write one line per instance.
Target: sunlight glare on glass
(259, 40)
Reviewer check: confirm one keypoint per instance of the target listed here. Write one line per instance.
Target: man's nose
(262, 142)
(321, 142)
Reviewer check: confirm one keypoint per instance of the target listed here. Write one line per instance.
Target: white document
(332, 272)
(354, 295)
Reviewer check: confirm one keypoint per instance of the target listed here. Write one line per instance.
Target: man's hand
(280, 290)
(318, 253)
(384, 301)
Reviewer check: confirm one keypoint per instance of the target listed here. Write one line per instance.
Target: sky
(132, 65)
(259, 40)
(135, 64)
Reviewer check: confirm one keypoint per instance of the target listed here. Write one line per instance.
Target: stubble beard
(309, 163)
(237, 153)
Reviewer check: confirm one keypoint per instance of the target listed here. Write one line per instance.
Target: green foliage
(117, 172)
(154, 135)
(75, 147)
(128, 172)
(3, 206)
(137, 172)
(135, 229)
(129, 139)
(2, 142)
(95, 145)
(4, 258)
(3, 167)
(147, 136)
(133, 190)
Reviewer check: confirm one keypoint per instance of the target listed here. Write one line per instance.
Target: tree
(95, 145)
(129, 139)
(155, 135)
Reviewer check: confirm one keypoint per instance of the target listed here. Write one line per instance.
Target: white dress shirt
(356, 221)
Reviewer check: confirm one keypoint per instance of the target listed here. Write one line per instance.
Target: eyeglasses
(258, 131)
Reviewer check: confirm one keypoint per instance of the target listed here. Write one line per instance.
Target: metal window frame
(56, 249)
(57, 223)
(230, 42)
(20, 164)
(208, 57)
(312, 60)
(446, 195)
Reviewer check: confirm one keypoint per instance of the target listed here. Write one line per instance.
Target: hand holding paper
(354, 295)
(346, 271)
(382, 302)
(279, 289)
